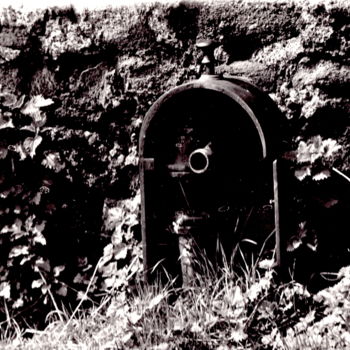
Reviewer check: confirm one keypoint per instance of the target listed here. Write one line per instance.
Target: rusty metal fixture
(207, 64)
(204, 146)
(199, 159)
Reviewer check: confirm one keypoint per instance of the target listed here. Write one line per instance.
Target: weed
(221, 308)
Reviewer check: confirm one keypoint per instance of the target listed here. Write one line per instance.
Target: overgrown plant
(35, 274)
(319, 207)
(220, 310)
(26, 273)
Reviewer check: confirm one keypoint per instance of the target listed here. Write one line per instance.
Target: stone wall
(99, 71)
(105, 68)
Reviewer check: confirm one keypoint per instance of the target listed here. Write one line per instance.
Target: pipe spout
(199, 159)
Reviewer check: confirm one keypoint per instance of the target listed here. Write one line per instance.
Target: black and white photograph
(175, 175)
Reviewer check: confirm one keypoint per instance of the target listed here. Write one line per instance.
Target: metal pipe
(199, 159)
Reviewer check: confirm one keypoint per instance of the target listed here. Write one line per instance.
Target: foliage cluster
(311, 90)
(37, 267)
(222, 311)
(22, 239)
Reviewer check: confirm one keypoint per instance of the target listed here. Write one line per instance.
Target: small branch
(85, 71)
(51, 296)
(340, 173)
(84, 297)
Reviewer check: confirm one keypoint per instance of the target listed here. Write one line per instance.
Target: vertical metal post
(143, 221)
(276, 195)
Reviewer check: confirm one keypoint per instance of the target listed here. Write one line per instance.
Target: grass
(220, 309)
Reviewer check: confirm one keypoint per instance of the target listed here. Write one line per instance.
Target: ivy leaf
(15, 229)
(27, 258)
(36, 199)
(5, 290)
(294, 243)
(330, 147)
(110, 269)
(32, 107)
(310, 151)
(62, 291)
(30, 145)
(19, 251)
(300, 174)
(5, 122)
(29, 222)
(44, 288)
(39, 238)
(303, 154)
(324, 174)
(81, 295)
(18, 303)
(120, 251)
(38, 228)
(3, 152)
(39, 119)
(39, 101)
(107, 254)
(78, 279)
(19, 102)
(29, 127)
(109, 282)
(58, 269)
(42, 265)
(316, 148)
(37, 283)
(52, 160)
(19, 149)
(132, 157)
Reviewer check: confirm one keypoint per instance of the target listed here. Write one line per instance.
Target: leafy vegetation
(218, 310)
(33, 274)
